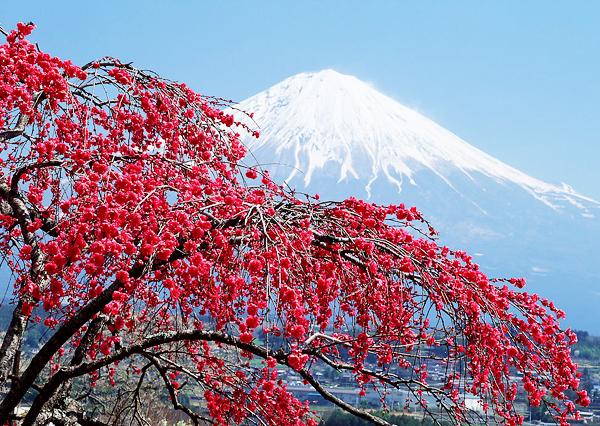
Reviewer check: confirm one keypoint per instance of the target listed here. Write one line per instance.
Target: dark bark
(54, 397)
(66, 331)
(14, 335)
(23, 119)
(11, 344)
(169, 337)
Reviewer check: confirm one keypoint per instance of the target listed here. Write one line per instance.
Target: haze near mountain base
(334, 135)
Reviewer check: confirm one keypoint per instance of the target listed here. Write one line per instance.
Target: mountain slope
(334, 135)
(312, 119)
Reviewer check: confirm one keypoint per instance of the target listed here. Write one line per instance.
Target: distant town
(399, 403)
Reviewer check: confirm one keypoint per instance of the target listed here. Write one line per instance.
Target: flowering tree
(163, 266)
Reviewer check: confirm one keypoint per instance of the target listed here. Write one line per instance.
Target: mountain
(334, 135)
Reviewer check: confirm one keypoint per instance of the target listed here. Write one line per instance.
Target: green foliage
(587, 347)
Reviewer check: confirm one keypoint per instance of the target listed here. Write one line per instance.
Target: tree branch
(23, 120)
(14, 335)
(14, 184)
(173, 395)
(335, 400)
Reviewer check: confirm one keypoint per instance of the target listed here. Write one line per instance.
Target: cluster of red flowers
(142, 198)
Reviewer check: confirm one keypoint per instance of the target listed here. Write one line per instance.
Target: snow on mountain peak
(312, 119)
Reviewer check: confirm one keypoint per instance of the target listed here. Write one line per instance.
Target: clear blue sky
(517, 79)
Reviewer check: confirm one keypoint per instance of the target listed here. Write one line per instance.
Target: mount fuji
(334, 135)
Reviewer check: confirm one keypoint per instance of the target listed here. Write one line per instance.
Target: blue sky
(517, 79)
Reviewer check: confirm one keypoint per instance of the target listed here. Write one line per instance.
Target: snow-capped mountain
(332, 134)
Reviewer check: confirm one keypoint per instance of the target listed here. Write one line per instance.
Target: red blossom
(25, 29)
(251, 174)
(140, 227)
(246, 337)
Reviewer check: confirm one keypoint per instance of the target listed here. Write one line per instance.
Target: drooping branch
(23, 119)
(196, 418)
(14, 184)
(337, 401)
(192, 335)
